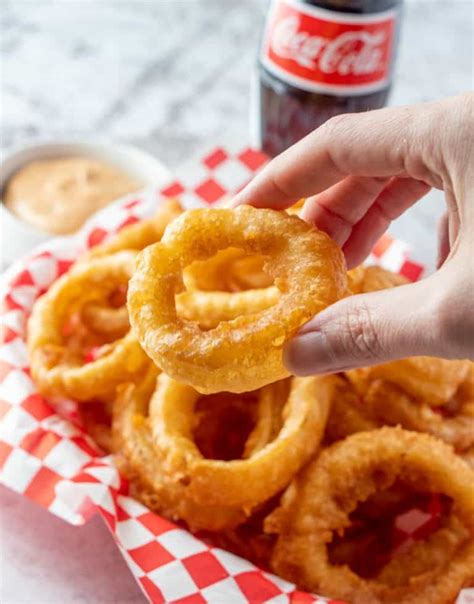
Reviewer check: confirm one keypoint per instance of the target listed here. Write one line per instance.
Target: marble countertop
(173, 77)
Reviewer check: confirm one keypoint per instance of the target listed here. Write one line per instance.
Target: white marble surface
(171, 76)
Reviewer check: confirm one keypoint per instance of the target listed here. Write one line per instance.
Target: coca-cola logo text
(354, 52)
(317, 51)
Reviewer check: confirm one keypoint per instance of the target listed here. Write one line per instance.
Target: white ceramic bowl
(19, 237)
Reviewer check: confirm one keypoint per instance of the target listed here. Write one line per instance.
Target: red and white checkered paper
(47, 457)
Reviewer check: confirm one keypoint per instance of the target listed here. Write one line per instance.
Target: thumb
(368, 329)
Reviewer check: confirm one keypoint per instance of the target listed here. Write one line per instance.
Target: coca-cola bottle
(320, 58)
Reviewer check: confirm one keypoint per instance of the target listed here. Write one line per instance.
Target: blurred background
(172, 77)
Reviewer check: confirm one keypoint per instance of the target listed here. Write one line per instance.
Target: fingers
(376, 143)
(369, 329)
(356, 211)
(340, 207)
(396, 198)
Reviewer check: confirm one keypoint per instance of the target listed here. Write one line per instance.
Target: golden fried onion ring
(270, 416)
(348, 412)
(212, 274)
(142, 463)
(424, 555)
(247, 273)
(364, 279)
(389, 405)
(106, 320)
(244, 353)
(319, 501)
(267, 471)
(230, 270)
(207, 309)
(430, 380)
(381, 403)
(101, 317)
(56, 369)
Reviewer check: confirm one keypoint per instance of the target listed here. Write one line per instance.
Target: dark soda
(319, 59)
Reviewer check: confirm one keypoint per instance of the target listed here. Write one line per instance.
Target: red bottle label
(330, 52)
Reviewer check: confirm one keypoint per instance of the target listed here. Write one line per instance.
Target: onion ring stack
(143, 464)
(153, 433)
(176, 362)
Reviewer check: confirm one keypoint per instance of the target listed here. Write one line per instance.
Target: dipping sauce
(58, 195)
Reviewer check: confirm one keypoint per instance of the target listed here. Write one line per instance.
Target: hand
(359, 172)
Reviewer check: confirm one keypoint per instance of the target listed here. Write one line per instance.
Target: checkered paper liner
(46, 456)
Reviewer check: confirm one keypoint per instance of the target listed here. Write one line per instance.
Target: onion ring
(222, 424)
(318, 503)
(106, 320)
(56, 369)
(348, 413)
(431, 380)
(434, 552)
(270, 416)
(247, 273)
(387, 404)
(140, 234)
(380, 403)
(229, 270)
(212, 274)
(468, 457)
(143, 464)
(245, 353)
(208, 309)
(268, 471)
(364, 279)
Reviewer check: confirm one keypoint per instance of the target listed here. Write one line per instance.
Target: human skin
(358, 173)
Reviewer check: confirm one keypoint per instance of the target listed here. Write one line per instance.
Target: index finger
(360, 144)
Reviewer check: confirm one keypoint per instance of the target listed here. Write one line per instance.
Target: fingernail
(309, 354)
